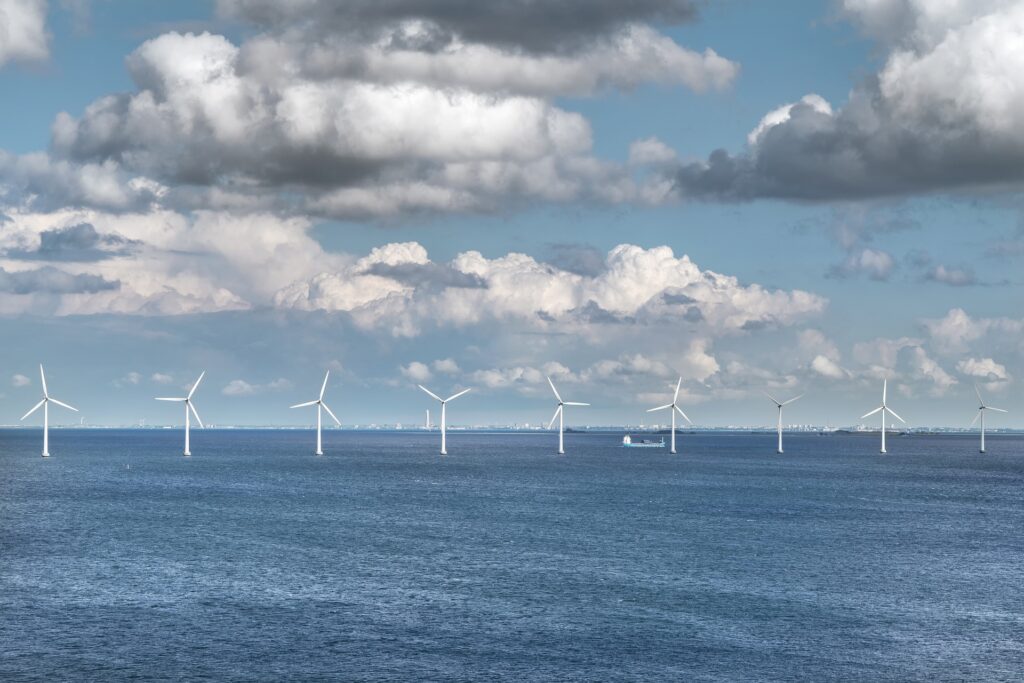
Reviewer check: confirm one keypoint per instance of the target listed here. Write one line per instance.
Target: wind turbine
(780, 414)
(673, 408)
(444, 405)
(188, 406)
(883, 409)
(560, 414)
(45, 403)
(981, 413)
(319, 403)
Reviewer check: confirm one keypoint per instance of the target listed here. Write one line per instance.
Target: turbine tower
(188, 406)
(883, 409)
(981, 414)
(780, 413)
(444, 423)
(45, 403)
(673, 408)
(560, 414)
(319, 403)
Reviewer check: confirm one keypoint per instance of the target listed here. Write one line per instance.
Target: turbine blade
(42, 377)
(553, 389)
(885, 385)
(871, 413)
(431, 393)
(675, 396)
(307, 403)
(795, 398)
(975, 420)
(330, 413)
(774, 400)
(893, 413)
(64, 405)
(574, 403)
(667, 405)
(998, 410)
(553, 417)
(455, 396)
(37, 406)
(978, 394)
(194, 412)
(323, 387)
(683, 414)
(172, 399)
(196, 385)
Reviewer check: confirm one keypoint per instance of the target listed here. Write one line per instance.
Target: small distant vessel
(628, 442)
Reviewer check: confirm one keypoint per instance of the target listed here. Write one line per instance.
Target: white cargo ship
(628, 442)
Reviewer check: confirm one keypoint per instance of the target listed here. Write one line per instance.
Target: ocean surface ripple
(255, 560)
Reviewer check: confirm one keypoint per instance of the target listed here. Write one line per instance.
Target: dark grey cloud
(940, 115)
(81, 242)
(318, 114)
(200, 158)
(530, 25)
(50, 280)
(820, 157)
(244, 155)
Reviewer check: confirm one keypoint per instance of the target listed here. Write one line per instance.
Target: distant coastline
(599, 429)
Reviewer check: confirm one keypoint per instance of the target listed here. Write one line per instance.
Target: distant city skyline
(799, 198)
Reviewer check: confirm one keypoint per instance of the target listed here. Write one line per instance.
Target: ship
(628, 442)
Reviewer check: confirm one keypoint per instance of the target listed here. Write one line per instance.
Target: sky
(798, 198)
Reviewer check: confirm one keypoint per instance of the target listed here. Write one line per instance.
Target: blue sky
(792, 197)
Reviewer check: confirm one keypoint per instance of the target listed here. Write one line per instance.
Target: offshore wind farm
(883, 410)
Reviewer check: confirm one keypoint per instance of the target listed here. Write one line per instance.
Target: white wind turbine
(444, 423)
(188, 406)
(45, 403)
(319, 403)
(981, 414)
(673, 408)
(560, 414)
(780, 413)
(884, 409)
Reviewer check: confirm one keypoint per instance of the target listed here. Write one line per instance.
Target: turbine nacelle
(783, 403)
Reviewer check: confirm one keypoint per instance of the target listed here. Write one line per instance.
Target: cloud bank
(367, 110)
(941, 114)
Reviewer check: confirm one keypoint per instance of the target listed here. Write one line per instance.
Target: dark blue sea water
(254, 560)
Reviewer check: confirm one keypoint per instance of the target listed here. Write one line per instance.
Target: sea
(254, 560)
